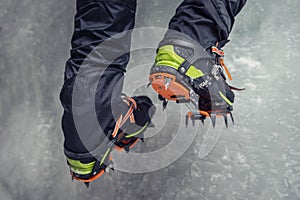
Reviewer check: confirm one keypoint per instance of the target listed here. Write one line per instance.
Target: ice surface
(258, 158)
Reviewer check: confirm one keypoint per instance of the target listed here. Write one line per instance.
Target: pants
(205, 21)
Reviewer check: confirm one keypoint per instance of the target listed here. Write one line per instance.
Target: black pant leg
(95, 22)
(205, 21)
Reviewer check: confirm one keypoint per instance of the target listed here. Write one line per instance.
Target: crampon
(176, 80)
(170, 90)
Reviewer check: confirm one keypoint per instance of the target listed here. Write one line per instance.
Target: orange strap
(204, 113)
(121, 121)
(217, 51)
(225, 68)
(221, 54)
(117, 126)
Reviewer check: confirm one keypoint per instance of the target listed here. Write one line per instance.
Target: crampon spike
(126, 148)
(161, 98)
(87, 184)
(225, 119)
(142, 140)
(165, 103)
(72, 178)
(199, 115)
(148, 85)
(232, 119)
(213, 119)
(186, 120)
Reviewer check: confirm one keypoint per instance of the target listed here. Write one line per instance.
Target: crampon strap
(220, 57)
(121, 120)
(220, 54)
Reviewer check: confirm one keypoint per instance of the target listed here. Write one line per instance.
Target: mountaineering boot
(187, 73)
(128, 129)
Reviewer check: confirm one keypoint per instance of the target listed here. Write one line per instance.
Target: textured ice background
(258, 158)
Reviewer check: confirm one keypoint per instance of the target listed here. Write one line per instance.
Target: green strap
(166, 56)
(85, 168)
(105, 155)
(225, 99)
(81, 168)
(138, 132)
